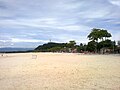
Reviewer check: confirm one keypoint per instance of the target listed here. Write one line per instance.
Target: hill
(51, 46)
(9, 49)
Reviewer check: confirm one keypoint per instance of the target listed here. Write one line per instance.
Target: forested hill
(51, 46)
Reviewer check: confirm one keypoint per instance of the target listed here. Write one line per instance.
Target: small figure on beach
(34, 56)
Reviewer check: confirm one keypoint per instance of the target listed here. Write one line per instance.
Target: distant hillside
(51, 46)
(9, 49)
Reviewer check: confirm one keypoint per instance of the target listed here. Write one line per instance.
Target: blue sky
(29, 23)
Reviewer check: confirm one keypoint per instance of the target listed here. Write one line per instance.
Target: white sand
(54, 71)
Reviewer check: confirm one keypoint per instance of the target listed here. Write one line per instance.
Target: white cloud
(44, 23)
(62, 19)
(5, 40)
(115, 2)
(18, 40)
(94, 13)
(81, 28)
(68, 37)
(116, 36)
(69, 5)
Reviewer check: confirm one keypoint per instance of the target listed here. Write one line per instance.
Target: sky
(29, 23)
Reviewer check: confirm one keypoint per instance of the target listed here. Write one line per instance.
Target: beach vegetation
(100, 42)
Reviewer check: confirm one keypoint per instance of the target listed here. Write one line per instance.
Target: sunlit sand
(59, 71)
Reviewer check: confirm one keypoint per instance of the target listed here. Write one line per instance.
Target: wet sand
(59, 71)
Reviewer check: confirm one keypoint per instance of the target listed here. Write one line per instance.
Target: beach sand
(59, 71)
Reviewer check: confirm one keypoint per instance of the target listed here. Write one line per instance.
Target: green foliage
(50, 47)
(94, 35)
(57, 47)
(104, 34)
(98, 34)
(54, 49)
(71, 44)
(81, 48)
(92, 46)
(106, 44)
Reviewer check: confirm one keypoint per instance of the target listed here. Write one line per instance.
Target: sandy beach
(59, 71)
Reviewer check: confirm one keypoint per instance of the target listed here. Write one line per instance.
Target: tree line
(99, 42)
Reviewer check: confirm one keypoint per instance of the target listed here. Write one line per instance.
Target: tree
(94, 35)
(71, 44)
(104, 34)
(99, 34)
(118, 47)
(92, 46)
(55, 49)
(80, 48)
(106, 44)
(81, 44)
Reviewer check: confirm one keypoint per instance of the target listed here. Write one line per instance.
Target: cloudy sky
(29, 23)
